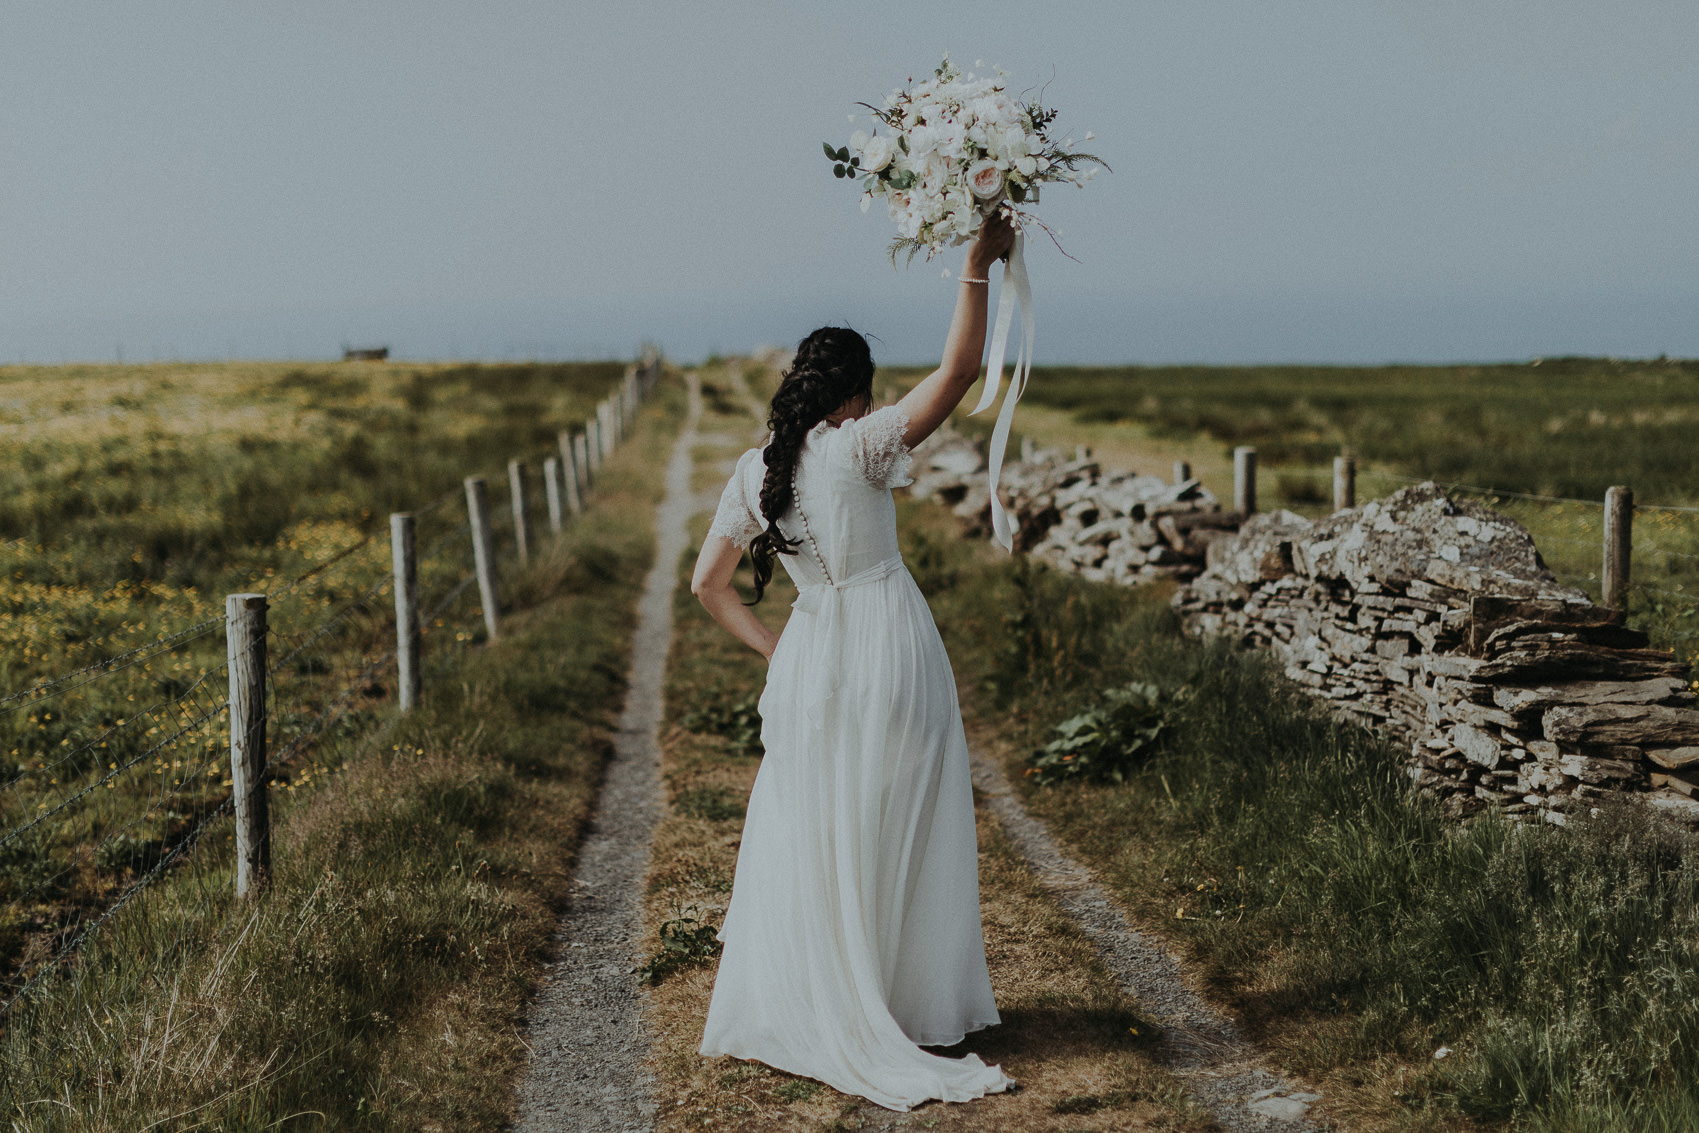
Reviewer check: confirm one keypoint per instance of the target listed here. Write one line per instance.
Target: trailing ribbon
(1016, 291)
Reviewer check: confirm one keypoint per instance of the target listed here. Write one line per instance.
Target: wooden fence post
(1027, 449)
(1245, 479)
(519, 492)
(551, 494)
(581, 462)
(483, 550)
(607, 430)
(1182, 471)
(593, 447)
(1344, 483)
(244, 638)
(1619, 543)
(408, 631)
(569, 474)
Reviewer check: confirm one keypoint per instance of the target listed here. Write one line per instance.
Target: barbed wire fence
(99, 806)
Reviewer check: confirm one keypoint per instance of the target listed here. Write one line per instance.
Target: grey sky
(1315, 181)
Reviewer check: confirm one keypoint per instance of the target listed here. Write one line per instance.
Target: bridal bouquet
(954, 149)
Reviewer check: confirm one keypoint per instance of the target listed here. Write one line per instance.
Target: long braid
(832, 366)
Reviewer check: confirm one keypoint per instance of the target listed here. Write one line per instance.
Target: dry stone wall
(1431, 619)
(1437, 621)
(1121, 527)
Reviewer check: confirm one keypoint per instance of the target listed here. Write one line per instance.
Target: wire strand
(114, 772)
(54, 685)
(166, 861)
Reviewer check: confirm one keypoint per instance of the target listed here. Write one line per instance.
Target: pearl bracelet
(965, 279)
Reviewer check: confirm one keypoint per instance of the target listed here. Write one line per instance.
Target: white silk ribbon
(1016, 291)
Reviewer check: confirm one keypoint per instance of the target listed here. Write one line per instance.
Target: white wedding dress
(853, 932)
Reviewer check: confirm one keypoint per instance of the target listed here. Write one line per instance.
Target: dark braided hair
(832, 366)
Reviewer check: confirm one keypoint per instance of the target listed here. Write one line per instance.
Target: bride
(853, 936)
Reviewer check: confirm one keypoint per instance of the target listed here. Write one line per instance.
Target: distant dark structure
(365, 354)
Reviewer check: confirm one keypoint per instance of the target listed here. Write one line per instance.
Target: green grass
(136, 498)
(379, 983)
(1566, 428)
(1355, 928)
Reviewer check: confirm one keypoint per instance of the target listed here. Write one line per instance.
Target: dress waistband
(808, 598)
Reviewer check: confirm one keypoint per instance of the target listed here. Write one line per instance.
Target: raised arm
(929, 403)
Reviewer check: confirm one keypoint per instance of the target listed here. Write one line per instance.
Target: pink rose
(985, 180)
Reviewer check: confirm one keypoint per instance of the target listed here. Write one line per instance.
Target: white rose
(951, 140)
(985, 179)
(1027, 165)
(906, 217)
(876, 153)
(858, 140)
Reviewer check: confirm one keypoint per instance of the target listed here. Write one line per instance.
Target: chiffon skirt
(853, 934)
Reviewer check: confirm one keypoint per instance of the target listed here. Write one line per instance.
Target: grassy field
(1355, 929)
(1563, 430)
(421, 864)
(137, 498)
(1564, 427)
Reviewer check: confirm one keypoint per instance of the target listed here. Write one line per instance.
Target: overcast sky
(1350, 181)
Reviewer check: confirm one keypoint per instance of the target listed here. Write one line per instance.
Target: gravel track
(585, 1029)
(1220, 1068)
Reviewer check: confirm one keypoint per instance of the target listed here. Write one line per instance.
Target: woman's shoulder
(751, 469)
(878, 428)
(872, 446)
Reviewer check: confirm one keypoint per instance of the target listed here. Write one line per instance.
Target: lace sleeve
(735, 519)
(877, 449)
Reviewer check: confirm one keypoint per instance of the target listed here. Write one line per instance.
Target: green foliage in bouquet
(1104, 743)
(846, 166)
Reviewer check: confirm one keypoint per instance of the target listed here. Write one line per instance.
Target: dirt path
(1223, 1071)
(585, 1031)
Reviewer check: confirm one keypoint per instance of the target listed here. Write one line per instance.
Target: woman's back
(841, 515)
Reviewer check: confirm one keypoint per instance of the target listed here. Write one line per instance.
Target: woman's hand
(996, 237)
(928, 403)
(712, 585)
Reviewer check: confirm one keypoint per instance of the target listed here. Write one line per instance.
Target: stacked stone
(1437, 621)
(1121, 527)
